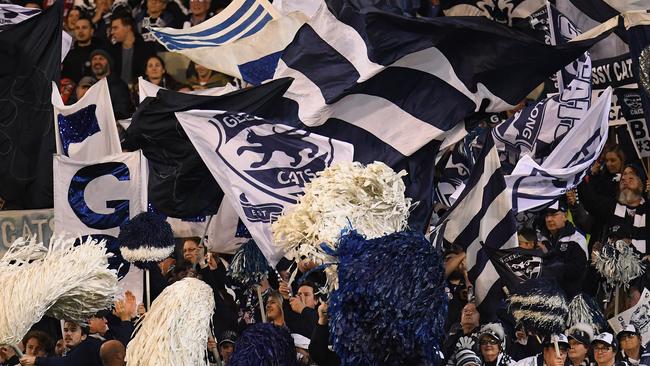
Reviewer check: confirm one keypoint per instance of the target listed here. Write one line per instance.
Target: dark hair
(44, 340)
(126, 19)
(84, 329)
(158, 58)
(85, 16)
(528, 233)
(616, 149)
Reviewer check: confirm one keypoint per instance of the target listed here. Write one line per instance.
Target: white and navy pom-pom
(371, 199)
(146, 238)
(249, 265)
(264, 344)
(618, 263)
(540, 306)
(584, 309)
(390, 306)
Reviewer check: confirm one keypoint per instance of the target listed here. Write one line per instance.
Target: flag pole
(147, 280)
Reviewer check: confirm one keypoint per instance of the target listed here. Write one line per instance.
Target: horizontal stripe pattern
(241, 19)
(482, 216)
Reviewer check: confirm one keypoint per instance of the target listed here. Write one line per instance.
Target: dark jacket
(567, 257)
(77, 62)
(302, 323)
(141, 52)
(318, 347)
(120, 97)
(85, 353)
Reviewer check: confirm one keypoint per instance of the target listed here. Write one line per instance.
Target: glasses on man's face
(601, 348)
(485, 342)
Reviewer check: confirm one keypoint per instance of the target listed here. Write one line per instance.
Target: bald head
(113, 353)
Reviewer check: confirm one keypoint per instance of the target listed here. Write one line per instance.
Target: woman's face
(155, 69)
(73, 16)
(613, 163)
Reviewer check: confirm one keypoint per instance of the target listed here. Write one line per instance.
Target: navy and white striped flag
(483, 217)
(244, 40)
(409, 81)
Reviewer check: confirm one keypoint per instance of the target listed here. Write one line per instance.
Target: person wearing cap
(625, 215)
(604, 346)
(102, 66)
(82, 87)
(580, 337)
(631, 348)
(554, 352)
(226, 345)
(492, 345)
(76, 64)
(566, 246)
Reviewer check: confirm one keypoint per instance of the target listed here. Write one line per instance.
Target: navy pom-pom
(540, 306)
(146, 238)
(264, 344)
(390, 306)
(249, 265)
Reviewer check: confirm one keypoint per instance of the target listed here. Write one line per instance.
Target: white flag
(262, 167)
(533, 185)
(86, 130)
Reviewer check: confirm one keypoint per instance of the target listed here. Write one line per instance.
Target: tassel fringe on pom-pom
(618, 264)
(390, 306)
(264, 344)
(63, 281)
(249, 265)
(146, 238)
(540, 306)
(370, 199)
(584, 309)
(175, 331)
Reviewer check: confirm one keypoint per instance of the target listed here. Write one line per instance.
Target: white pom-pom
(368, 199)
(65, 281)
(175, 331)
(618, 264)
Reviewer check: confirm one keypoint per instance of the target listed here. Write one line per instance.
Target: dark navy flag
(30, 58)
(483, 217)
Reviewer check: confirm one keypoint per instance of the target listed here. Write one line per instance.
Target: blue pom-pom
(264, 344)
(390, 306)
(249, 265)
(540, 306)
(146, 238)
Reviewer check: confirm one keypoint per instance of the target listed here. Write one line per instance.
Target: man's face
(33, 348)
(191, 251)
(551, 357)
(100, 66)
(577, 350)
(306, 295)
(119, 31)
(97, 325)
(273, 309)
(630, 342)
(199, 8)
(83, 30)
(603, 354)
(225, 350)
(555, 221)
(156, 7)
(489, 348)
(72, 334)
(470, 315)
